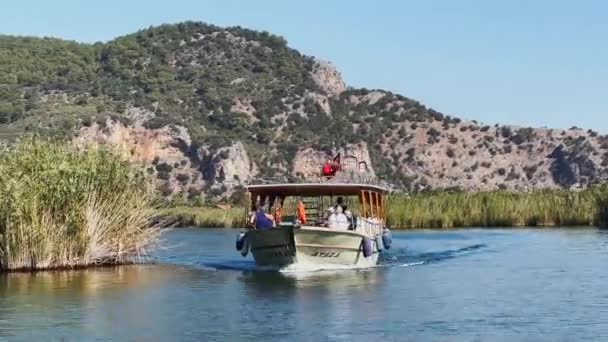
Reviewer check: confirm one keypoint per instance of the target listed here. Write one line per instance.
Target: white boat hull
(309, 246)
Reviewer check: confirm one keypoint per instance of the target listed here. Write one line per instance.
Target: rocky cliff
(208, 109)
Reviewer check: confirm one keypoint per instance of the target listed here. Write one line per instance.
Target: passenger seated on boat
(301, 212)
(278, 212)
(332, 209)
(261, 220)
(337, 220)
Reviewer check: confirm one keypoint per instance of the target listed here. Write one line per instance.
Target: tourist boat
(313, 242)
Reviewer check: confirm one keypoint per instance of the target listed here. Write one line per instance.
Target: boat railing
(341, 177)
(369, 226)
(274, 180)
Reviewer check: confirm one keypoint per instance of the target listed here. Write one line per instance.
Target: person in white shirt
(337, 220)
(332, 209)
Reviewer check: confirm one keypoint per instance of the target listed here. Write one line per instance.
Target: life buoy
(367, 247)
(387, 238)
(379, 243)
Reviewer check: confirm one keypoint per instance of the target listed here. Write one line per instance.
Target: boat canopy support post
(371, 204)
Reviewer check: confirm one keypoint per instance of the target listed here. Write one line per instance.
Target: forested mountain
(206, 109)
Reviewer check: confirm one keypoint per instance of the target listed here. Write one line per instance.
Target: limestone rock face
(427, 153)
(137, 142)
(168, 153)
(236, 168)
(355, 158)
(327, 78)
(207, 110)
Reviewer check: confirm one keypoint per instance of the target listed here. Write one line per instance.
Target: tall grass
(64, 207)
(494, 209)
(543, 208)
(602, 204)
(205, 217)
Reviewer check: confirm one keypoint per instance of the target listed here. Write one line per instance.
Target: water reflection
(80, 303)
(466, 285)
(262, 282)
(306, 302)
(87, 282)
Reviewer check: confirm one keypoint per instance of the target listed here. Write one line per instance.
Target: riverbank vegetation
(61, 207)
(495, 209)
(204, 217)
(546, 208)
(602, 204)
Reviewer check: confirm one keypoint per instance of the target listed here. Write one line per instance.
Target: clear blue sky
(538, 63)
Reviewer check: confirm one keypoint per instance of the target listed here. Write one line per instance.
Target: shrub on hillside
(530, 171)
(164, 167)
(450, 153)
(182, 178)
(506, 131)
(433, 135)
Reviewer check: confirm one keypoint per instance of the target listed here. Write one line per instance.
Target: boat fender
(387, 238)
(379, 243)
(367, 247)
(245, 249)
(240, 239)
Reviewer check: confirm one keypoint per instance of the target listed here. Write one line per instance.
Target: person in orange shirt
(301, 211)
(278, 211)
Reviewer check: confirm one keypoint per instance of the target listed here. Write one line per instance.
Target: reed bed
(204, 217)
(602, 204)
(543, 208)
(494, 209)
(63, 207)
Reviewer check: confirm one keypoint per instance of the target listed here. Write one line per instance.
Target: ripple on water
(464, 285)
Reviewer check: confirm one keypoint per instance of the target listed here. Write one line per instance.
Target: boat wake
(247, 265)
(305, 268)
(396, 257)
(405, 257)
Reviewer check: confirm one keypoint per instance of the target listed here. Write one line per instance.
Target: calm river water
(464, 285)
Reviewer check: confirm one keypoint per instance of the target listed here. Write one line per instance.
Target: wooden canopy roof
(315, 189)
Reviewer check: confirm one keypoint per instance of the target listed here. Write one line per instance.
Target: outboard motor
(387, 238)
